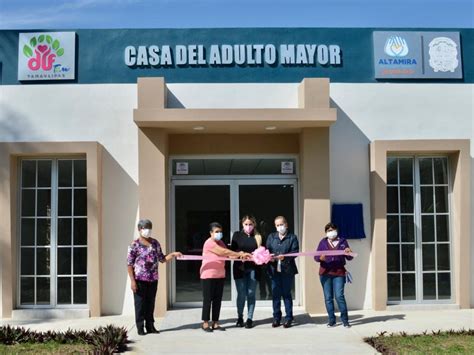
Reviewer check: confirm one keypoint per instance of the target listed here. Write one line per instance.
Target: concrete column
(7, 231)
(153, 197)
(460, 215)
(378, 197)
(315, 209)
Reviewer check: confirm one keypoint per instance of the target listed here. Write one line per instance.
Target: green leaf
(27, 51)
(55, 44)
(60, 52)
(41, 38)
(49, 39)
(33, 41)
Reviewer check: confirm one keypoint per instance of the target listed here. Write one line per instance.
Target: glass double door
(197, 203)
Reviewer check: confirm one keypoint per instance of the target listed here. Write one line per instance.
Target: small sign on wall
(421, 55)
(287, 167)
(46, 56)
(182, 168)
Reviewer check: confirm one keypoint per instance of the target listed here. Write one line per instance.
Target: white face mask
(145, 233)
(281, 229)
(331, 234)
(218, 235)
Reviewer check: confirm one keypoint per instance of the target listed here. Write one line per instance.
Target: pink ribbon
(305, 253)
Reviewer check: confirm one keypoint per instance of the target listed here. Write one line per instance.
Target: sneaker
(347, 325)
(331, 324)
(239, 323)
(249, 324)
(287, 324)
(276, 323)
(141, 331)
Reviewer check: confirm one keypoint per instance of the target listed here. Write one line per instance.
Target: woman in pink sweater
(213, 275)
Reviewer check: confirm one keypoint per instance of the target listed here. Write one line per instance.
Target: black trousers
(145, 302)
(212, 290)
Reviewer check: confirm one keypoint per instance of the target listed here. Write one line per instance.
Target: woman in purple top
(142, 264)
(332, 273)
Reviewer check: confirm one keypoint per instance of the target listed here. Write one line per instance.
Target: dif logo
(46, 56)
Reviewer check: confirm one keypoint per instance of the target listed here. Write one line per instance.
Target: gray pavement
(181, 333)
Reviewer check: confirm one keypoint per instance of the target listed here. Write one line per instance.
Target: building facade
(99, 128)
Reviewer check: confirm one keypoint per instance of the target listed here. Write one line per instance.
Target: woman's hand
(177, 254)
(244, 256)
(347, 250)
(277, 257)
(322, 258)
(133, 286)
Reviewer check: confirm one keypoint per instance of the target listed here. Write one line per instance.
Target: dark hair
(330, 226)
(144, 223)
(214, 225)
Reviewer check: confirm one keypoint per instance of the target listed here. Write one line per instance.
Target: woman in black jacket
(282, 270)
(246, 273)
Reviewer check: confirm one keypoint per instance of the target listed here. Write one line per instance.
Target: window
(53, 232)
(418, 238)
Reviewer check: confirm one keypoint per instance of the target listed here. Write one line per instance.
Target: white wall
(233, 95)
(407, 111)
(368, 112)
(104, 113)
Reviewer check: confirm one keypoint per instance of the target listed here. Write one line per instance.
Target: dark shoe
(347, 325)
(151, 329)
(331, 324)
(207, 329)
(218, 328)
(287, 324)
(249, 324)
(276, 324)
(240, 323)
(141, 331)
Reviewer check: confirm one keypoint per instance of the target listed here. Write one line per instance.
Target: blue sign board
(244, 55)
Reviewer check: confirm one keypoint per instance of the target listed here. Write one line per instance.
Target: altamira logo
(42, 52)
(396, 46)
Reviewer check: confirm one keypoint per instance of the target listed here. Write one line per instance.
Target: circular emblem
(443, 54)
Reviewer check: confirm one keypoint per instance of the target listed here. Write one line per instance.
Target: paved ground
(181, 334)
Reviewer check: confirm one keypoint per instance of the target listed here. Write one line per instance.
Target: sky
(76, 14)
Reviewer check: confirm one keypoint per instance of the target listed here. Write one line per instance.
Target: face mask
(218, 236)
(331, 234)
(281, 229)
(145, 233)
(248, 228)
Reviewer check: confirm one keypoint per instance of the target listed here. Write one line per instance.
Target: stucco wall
(100, 113)
(472, 199)
(368, 112)
(103, 113)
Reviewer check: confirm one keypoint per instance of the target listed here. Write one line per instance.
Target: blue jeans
(333, 287)
(281, 287)
(246, 289)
